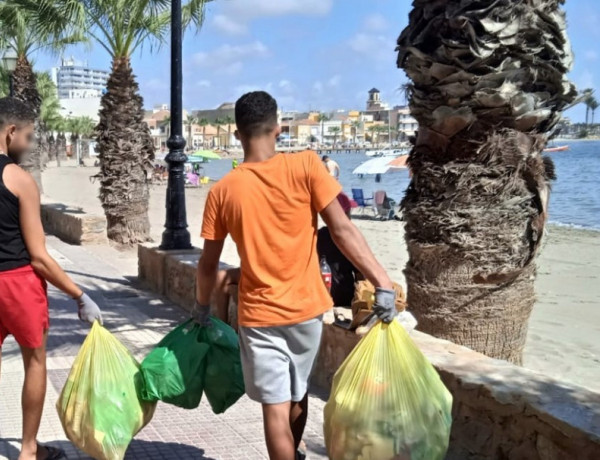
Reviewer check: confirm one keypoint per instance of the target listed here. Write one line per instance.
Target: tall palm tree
(322, 118)
(203, 122)
(592, 103)
(588, 94)
(373, 131)
(218, 123)
(20, 33)
(87, 129)
(190, 121)
(355, 126)
(335, 130)
(229, 121)
(488, 84)
(124, 145)
(49, 113)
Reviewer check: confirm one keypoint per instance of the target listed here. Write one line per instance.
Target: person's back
(270, 210)
(269, 205)
(13, 252)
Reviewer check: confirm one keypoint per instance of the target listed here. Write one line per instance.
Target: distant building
(74, 79)
(374, 103)
(407, 124)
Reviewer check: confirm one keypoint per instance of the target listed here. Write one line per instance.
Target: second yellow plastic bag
(387, 402)
(99, 405)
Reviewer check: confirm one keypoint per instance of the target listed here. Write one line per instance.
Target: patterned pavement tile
(139, 320)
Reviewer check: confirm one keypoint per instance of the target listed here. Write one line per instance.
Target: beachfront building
(407, 125)
(75, 80)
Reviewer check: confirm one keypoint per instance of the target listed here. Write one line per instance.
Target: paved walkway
(139, 320)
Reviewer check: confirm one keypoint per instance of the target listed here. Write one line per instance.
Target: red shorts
(23, 307)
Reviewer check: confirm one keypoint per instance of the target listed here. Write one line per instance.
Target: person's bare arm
(354, 246)
(207, 271)
(33, 233)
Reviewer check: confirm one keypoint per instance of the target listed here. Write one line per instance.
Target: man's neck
(257, 150)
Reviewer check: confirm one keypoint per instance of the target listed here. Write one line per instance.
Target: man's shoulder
(17, 180)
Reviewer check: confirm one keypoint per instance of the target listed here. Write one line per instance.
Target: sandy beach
(565, 327)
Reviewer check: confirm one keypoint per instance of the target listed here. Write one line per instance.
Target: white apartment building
(74, 76)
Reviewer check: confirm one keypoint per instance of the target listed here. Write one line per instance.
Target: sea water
(575, 199)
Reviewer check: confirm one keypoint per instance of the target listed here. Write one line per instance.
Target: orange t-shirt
(270, 209)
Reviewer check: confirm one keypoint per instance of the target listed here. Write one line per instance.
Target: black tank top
(13, 253)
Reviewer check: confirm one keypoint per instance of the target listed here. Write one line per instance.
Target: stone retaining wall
(73, 225)
(500, 411)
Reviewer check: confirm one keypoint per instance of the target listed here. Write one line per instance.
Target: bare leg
(34, 393)
(278, 433)
(298, 416)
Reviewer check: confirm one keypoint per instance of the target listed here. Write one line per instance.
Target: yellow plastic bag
(99, 406)
(387, 402)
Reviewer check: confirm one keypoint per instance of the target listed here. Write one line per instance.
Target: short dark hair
(325, 158)
(256, 114)
(15, 112)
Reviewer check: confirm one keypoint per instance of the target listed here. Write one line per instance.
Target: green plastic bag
(99, 406)
(387, 402)
(223, 380)
(192, 360)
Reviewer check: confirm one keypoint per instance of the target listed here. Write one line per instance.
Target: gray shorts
(277, 361)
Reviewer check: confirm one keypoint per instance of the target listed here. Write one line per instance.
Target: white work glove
(385, 305)
(88, 309)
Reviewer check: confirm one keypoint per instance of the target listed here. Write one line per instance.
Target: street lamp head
(9, 60)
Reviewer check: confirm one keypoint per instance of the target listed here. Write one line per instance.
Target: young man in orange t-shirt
(269, 205)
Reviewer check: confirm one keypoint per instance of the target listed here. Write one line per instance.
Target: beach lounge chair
(383, 205)
(359, 197)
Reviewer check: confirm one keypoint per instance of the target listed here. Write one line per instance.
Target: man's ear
(277, 131)
(236, 134)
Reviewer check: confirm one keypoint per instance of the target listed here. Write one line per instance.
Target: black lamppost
(9, 62)
(176, 235)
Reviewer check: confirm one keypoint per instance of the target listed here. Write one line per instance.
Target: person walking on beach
(332, 167)
(25, 266)
(269, 206)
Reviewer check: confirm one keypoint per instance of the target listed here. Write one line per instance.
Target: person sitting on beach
(344, 274)
(332, 167)
(269, 205)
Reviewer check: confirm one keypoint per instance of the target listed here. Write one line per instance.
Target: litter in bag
(192, 360)
(99, 406)
(387, 402)
(174, 370)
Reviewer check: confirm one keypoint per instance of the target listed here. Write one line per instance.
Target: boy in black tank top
(25, 266)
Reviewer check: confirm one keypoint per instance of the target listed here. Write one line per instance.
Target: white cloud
(373, 46)
(318, 87)
(203, 84)
(239, 13)
(376, 22)
(228, 26)
(228, 59)
(334, 81)
(586, 80)
(590, 55)
(251, 9)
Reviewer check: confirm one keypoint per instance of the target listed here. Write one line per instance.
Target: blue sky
(310, 54)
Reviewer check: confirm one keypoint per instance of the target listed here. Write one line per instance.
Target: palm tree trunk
(24, 87)
(587, 114)
(125, 151)
(476, 207)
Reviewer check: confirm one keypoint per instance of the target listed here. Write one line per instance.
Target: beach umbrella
(399, 162)
(379, 165)
(206, 154)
